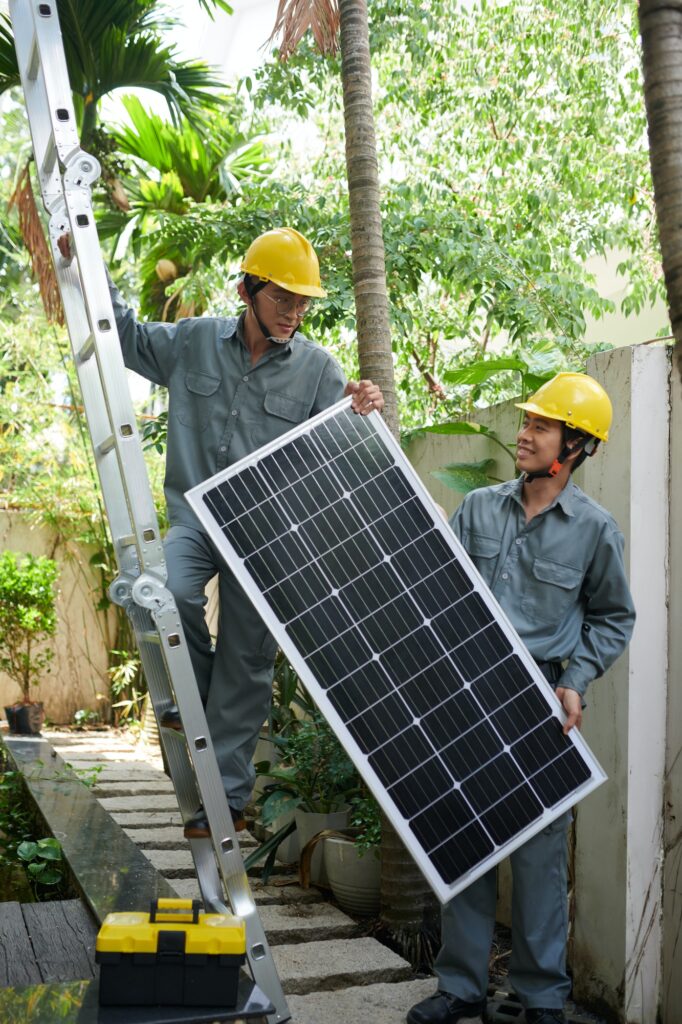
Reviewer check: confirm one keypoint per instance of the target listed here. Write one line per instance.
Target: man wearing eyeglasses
(234, 384)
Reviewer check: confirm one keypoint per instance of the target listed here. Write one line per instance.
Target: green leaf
(49, 877)
(27, 851)
(50, 849)
(532, 381)
(479, 372)
(277, 804)
(465, 476)
(457, 427)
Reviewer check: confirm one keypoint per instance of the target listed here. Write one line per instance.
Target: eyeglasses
(299, 307)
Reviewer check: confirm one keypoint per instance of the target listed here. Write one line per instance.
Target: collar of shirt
(235, 331)
(565, 499)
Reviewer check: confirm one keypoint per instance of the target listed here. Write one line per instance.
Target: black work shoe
(539, 1016)
(197, 826)
(443, 1008)
(170, 719)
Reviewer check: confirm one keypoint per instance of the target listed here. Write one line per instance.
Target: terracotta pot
(25, 719)
(354, 880)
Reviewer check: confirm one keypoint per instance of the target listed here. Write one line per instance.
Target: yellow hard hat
(577, 400)
(286, 258)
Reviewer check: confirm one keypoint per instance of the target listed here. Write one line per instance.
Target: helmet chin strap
(252, 291)
(585, 443)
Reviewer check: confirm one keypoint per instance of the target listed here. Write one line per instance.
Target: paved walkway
(331, 972)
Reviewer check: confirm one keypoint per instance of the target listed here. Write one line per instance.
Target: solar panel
(402, 646)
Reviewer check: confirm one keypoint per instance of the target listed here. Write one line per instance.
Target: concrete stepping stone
(306, 922)
(133, 787)
(380, 1003)
(162, 838)
(172, 863)
(142, 819)
(134, 771)
(321, 966)
(268, 895)
(162, 802)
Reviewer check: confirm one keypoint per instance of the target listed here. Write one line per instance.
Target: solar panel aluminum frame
(442, 889)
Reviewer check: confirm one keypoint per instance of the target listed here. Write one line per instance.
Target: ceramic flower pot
(354, 880)
(308, 824)
(25, 719)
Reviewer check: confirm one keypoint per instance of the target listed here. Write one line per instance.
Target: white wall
(79, 667)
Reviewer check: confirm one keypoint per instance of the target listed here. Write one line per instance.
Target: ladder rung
(86, 349)
(49, 158)
(106, 445)
(149, 637)
(34, 60)
(127, 541)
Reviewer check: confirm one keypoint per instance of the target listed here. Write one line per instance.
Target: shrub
(27, 617)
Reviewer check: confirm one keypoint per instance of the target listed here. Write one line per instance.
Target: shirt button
(245, 378)
(519, 540)
(234, 412)
(505, 575)
(223, 448)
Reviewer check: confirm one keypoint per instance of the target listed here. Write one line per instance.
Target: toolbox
(173, 956)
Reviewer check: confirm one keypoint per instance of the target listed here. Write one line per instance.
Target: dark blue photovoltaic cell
(394, 628)
(461, 852)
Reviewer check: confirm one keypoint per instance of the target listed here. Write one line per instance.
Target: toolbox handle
(174, 910)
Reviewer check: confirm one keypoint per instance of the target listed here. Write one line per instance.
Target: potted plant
(315, 779)
(351, 859)
(27, 620)
(290, 703)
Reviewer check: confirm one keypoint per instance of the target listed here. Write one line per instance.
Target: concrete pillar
(671, 1000)
(618, 934)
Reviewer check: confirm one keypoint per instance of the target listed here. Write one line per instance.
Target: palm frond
(9, 69)
(295, 17)
(34, 238)
(198, 159)
(211, 5)
(139, 61)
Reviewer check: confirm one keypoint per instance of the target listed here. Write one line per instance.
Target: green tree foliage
(173, 169)
(512, 148)
(120, 44)
(27, 617)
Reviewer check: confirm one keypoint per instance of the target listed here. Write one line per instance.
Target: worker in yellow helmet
(553, 559)
(234, 384)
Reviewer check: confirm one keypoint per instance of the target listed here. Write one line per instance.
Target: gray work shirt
(560, 578)
(220, 406)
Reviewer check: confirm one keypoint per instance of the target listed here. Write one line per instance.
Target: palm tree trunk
(660, 23)
(409, 910)
(369, 268)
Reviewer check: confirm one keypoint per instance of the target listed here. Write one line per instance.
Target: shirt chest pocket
(484, 553)
(280, 413)
(552, 587)
(196, 400)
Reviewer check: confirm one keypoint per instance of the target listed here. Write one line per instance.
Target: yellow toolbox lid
(137, 932)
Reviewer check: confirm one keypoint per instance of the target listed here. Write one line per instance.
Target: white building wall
(79, 667)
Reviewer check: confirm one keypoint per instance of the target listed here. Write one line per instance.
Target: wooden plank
(17, 960)
(63, 937)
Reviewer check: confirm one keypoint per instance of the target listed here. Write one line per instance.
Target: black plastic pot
(25, 719)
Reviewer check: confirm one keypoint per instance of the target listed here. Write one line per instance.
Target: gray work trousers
(537, 969)
(235, 680)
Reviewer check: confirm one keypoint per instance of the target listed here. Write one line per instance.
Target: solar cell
(399, 641)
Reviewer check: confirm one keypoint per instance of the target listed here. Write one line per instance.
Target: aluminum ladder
(66, 176)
